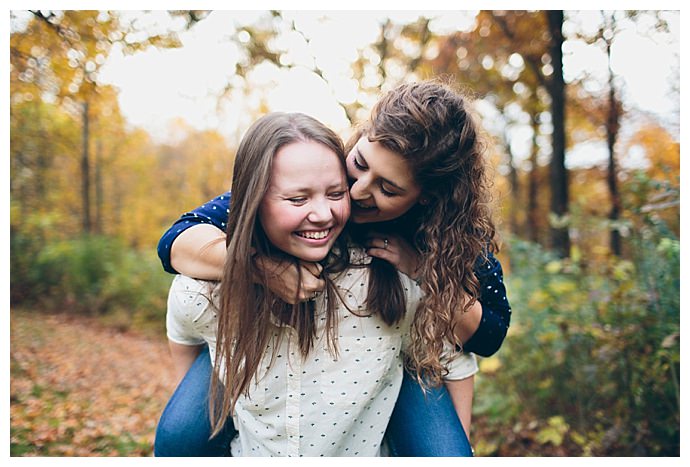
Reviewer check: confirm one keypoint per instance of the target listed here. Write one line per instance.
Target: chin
(367, 219)
(357, 219)
(313, 256)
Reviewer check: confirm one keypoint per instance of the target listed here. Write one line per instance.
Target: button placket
(292, 402)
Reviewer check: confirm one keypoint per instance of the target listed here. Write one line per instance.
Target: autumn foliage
(591, 364)
(81, 389)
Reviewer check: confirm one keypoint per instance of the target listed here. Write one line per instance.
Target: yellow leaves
(554, 432)
(81, 390)
(623, 270)
(670, 340)
(538, 299)
(668, 246)
(553, 267)
(484, 446)
(562, 287)
(659, 148)
(489, 365)
(545, 383)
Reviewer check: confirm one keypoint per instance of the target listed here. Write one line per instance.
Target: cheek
(343, 210)
(394, 206)
(278, 223)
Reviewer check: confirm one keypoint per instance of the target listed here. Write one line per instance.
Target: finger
(311, 281)
(313, 268)
(384, 254)
(310, 290)
(311, 284)
(379, 242)
(314, 285)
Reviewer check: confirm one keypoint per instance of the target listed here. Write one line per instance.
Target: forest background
(587, 195)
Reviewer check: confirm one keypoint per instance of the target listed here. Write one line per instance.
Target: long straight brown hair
(249, 310)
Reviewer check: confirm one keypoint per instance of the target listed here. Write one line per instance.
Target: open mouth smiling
(314, 234)
(363, 206)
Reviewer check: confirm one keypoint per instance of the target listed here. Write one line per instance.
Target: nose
(360, 188)
(321, 212)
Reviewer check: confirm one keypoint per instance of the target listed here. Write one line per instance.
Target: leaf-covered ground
(78, 388)
(81, 389)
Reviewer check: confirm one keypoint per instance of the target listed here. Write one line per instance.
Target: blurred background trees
(591, 249)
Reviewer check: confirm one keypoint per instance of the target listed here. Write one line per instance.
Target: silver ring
(315, 296)
(385, 243)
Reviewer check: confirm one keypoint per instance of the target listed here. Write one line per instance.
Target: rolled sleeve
(186, 302)
(460, 365)
(214, 212)
(496, 311)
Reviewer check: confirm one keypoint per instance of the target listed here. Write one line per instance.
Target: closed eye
(297, 200)
(337, 195)
(387, 193)
(357, 164)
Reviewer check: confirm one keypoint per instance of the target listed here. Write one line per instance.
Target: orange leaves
(78, 389)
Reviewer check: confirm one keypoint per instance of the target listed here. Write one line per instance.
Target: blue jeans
(184, 428)
(425, 425)
(420, 425)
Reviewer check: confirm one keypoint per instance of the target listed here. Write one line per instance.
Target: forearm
(467, 323)
(461, 393)
(199, 252)
(183, 357)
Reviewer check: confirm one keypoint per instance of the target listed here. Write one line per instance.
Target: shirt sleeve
(460, 365)
(214, 212)
(496, 310)
(185, 303)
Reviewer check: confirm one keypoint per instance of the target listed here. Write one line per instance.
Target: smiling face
(307, 205)
(383, 187)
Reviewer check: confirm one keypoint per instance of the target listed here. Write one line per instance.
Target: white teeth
(314, 235)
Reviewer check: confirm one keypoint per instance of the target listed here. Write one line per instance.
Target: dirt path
(79, 389)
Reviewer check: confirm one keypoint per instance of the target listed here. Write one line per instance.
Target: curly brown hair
(430, 125)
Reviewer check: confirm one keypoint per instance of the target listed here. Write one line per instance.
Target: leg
(461, 393)
(183, 357)
(426, 426)
(184, 427)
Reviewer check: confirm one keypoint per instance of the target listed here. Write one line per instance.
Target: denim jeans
(184, 428)
(420, 425)
(425, 425)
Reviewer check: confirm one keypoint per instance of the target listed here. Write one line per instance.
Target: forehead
(385, 163)
(306, 163)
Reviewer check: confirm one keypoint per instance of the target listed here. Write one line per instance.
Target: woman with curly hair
(420, 204)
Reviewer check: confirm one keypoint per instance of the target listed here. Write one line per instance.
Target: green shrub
(595, 342)
(94, 275)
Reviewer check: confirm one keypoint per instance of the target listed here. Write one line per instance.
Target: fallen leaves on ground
(81, 389)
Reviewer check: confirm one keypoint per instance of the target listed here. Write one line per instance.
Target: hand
(396, 251)
(283, 278)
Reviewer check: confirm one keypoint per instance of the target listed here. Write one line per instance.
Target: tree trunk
(612, 127)
(85, 179)
(98, 181)
(560, 240)
(514, 189)
(532, 189)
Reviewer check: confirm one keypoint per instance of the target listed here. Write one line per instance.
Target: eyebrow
(302, 189)
(394, 185)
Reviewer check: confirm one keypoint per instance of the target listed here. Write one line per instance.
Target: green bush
(595, 344)
(94, 275)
